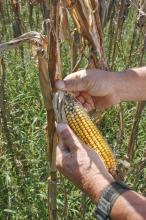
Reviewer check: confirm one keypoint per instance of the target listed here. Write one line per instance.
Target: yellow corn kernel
(80, 122)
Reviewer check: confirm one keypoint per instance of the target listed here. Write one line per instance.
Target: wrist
(120, 85)
(125, 85)
(117, 84)
(96, 185)
(108, 198)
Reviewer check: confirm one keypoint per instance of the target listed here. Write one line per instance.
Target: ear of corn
(80, 122)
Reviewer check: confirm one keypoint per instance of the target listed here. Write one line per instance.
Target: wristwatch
(108, 198)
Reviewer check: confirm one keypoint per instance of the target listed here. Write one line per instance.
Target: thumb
(69, 139)
(71, 83)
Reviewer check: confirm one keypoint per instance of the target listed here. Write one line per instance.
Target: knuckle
(86, 83)
(70, 84)
(65, 134)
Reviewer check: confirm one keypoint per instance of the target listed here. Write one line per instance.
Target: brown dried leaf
(142, 13)
(85, 14)
(32, 36)
(64, 31)
(39, 48)
(35, 2)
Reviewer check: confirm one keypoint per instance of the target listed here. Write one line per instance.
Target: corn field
(40, 42)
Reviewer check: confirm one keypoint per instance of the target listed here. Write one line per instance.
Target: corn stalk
(54, 71)
(40, 44)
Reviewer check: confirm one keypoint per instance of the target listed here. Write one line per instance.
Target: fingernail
(60, 85)
(61, 127)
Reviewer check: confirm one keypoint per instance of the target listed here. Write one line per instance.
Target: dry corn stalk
(85, 14)
(69, 110)
(64, 30)
(142, 14)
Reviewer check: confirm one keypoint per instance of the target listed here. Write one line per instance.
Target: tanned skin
(99, 89)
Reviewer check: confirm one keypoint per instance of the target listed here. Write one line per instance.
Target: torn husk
(58, 105)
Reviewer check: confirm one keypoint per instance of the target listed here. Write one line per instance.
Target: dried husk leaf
(64, 30)
(27, 37)
(142, 13)
(85, 14)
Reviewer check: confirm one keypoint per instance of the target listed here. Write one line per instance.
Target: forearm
(129, 206)
(131, 84)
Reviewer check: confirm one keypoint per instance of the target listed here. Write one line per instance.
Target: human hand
(93, 88)
(80, 164)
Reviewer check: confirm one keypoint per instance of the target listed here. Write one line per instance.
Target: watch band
(107, 199)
